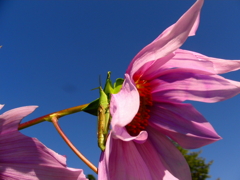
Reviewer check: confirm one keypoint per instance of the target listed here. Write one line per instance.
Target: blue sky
(54, 51)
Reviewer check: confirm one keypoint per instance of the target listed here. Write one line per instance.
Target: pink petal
(23, 157)
(121, 133)
(1, 106)
(170, 40)
(18, 171)
(192, 31)
(152, 69)
(180, 59)
(26, 158)
(220, 66)
(184, 124)
(194, 60)
(151, 160)
(124, 162)
(184, 84)
(127, 100)
(195, 26)
(170, 156)
(154, 161)
(10, 120)
(102, 167)
(132, 163)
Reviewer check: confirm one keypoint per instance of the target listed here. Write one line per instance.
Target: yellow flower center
(140, 121)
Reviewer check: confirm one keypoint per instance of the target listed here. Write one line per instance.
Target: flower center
(140, 121)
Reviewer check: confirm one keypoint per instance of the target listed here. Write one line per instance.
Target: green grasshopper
(104, 113)
(103, 119)
(100, 108)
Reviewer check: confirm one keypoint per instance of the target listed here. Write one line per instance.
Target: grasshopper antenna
(100, 83)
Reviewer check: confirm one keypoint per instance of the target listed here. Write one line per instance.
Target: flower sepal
(117, 85)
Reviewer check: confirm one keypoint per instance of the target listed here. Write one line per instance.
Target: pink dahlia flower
(25, 158)
(148, 111)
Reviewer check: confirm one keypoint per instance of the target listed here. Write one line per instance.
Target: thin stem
(48, 117)
(69, 143)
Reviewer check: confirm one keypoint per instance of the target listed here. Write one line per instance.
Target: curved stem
(48, 117)
(69, 143)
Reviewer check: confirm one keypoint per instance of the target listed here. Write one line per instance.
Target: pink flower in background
(25, 158)
(149, 110)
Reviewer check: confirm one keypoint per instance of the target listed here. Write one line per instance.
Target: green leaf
(92, 108)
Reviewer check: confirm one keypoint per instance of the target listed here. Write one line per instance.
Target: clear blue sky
(54, 51)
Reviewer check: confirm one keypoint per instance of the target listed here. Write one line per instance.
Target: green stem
(48, 117)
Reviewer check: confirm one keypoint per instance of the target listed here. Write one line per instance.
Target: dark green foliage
(198, 167)
(90, 177)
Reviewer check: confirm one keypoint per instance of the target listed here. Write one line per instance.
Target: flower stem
(48, 117)
(54, 119)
